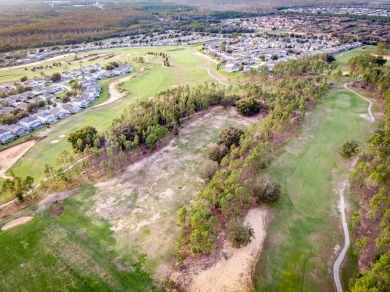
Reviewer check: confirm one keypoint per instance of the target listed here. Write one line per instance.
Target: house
(46, 118)
(60, 113)
(72, 109)
(82, 102)
(31, 123)
(6, 135)
(232, 67)
(21, 105)
(18, 130)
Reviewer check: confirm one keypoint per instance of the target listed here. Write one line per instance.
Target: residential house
(31, 123)
(60, 113)
(18, 130)
(46, 118)
(6, 135)
(72, 109)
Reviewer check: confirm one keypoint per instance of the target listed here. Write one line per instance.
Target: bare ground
(232, 269)
(10, 156)
(16, 222)
(141, 204)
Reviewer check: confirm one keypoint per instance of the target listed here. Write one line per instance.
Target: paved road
(347, 239)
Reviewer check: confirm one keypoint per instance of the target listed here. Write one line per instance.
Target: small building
(6, 135)
(46, 118)
(18, 130)
(31, 123)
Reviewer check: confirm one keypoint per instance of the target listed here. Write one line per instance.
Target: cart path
(361, 96)
(347, 239)
(215, 77)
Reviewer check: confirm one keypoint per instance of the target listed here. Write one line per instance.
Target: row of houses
(169, 38)
(251, 51)
(91, 90)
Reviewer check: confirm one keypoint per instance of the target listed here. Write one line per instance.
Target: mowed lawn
(186, 69)
(71, 252)
(305, 226)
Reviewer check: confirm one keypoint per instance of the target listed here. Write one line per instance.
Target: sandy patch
(233, 270)
(61, 136)
(17, 222)
(11, 155)
(386, 57)
(54, 141)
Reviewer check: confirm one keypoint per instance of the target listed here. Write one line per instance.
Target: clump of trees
(83, 138)
(265, 189)
(111, 65)
(361, 63)
(349, 149)
(56, 77)
(239, 234)
(248, 106)
(370, 180)
(17, 186)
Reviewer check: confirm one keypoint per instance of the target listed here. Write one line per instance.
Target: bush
(239, 234)
(230, 136)
(56, 77)
(349, 149)
(248, 106)
(218, 152)
(265, 189)
(208, 169)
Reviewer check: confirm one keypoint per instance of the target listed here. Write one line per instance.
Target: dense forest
(36, 25)
(371, 183)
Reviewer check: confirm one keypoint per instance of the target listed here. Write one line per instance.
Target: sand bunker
(232, 271)
(16, 222)
(11, 155)
(54, 141)
(61, 136)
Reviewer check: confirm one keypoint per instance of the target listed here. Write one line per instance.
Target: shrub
(239, 234)
(265, 189)
(248, 106)
(349, 149)
(208, 169)
(230, 136)
(56, 77)
(218, 152)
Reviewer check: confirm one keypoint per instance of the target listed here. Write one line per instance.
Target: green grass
(305, 224)
(73, 252)
(186, 69)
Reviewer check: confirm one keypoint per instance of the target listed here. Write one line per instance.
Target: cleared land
(99, 236)
(142, 204)
(186, 69)
(305, 235)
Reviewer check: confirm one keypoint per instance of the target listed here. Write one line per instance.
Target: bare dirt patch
(10, 156)
(232, 269)
(17, 222)
(141, 204)
(56, 210)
